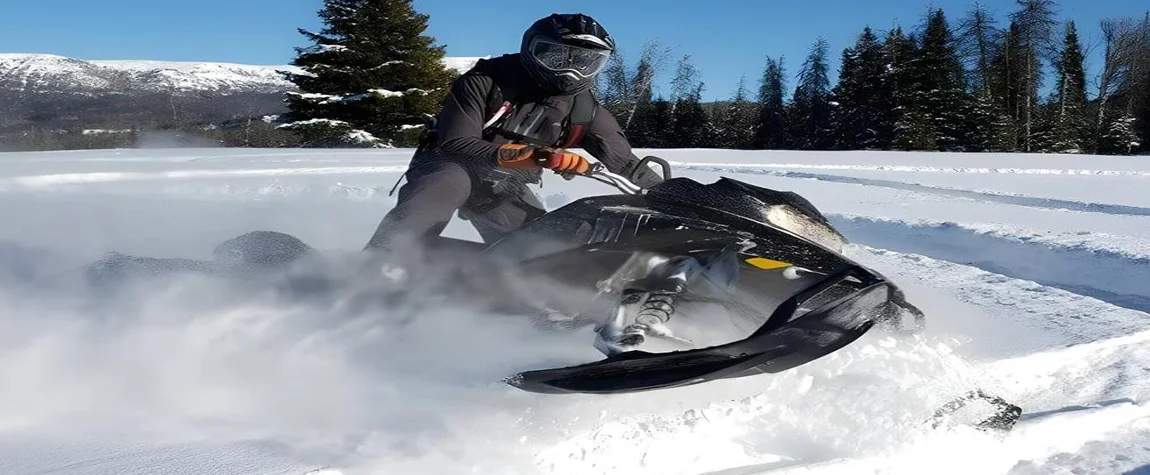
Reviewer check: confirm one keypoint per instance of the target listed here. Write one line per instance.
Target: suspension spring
(657, 309)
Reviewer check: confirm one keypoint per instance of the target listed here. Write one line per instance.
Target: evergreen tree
(859, 95)
(1120, 136)
(811, 109)
(626, 93)
(1044, 131)
(940, 91)
(1008, 89)
(1035, 32)
(690, 124)
(613, 88)
(1068, 121)
(735, 123)
(1140, 70)
(984, 124)
(977, 41)
(370, 78)
(897, 87)
(661, 120)
(770, 126)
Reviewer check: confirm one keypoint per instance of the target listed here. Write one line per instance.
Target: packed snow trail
(1034, 297)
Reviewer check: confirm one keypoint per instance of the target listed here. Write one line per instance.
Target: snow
(1031, 269)
(40, 72)
(364, 137)
(43, 72)
(317, 49)
(462, 64)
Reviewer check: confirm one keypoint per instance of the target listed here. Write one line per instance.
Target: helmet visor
(584, 62)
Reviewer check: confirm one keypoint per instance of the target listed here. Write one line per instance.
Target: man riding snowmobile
(502, 123)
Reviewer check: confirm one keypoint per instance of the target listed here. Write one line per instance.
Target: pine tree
(1140, 70)
(897, 86)
(940, 90)
(627, 93)
(976, 38)
(983, 124)
(811, 109)
(1068, 121)
(370, 78)
(1035, 27)
(770, 126)
(1120, 136)
(735, 122)
(1008, 89)
(979, 40)
(661, 120)
(690, 124)
(859, 95)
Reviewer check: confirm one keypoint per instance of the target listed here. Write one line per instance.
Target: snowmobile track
(1105, 275)
(1016, 200)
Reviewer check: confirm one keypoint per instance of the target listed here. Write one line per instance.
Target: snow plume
(191, 358)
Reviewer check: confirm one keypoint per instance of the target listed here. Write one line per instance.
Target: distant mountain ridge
(51, 102)
(59, 74)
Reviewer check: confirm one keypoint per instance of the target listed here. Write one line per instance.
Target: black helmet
(566, 52)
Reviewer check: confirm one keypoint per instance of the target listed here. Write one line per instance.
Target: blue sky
(726, 38)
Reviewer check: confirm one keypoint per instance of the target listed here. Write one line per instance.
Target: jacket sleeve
(604, 140)
(460, 122)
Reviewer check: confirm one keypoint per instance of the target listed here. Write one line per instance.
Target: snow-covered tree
(1120, 135)
(370, 77)
(940, 88)
(899, 52)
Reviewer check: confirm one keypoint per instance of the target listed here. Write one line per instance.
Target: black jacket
(460, 131)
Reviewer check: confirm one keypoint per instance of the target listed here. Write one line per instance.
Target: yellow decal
(766, 264)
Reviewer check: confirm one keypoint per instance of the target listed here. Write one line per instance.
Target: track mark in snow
(1113, 369)
(42, 181)
(1049, 317)
(1018, 200)
(760, 167)
(1033, 447)
(1102, 274)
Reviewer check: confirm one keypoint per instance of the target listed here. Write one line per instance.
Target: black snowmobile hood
(731, 196)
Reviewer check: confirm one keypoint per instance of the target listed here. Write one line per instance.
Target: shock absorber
(656, 309)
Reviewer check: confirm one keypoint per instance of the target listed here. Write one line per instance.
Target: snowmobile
(650, 270)
(682, 283)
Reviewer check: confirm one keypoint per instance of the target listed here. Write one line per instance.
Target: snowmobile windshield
(585, 62)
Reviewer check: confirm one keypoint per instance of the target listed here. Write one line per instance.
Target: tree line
(965, 86)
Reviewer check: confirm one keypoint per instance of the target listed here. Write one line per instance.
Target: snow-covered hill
(1032, 270)
(48, 73)
(36, 73)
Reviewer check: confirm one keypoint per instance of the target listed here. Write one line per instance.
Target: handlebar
(624, 184)
(602, 175)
